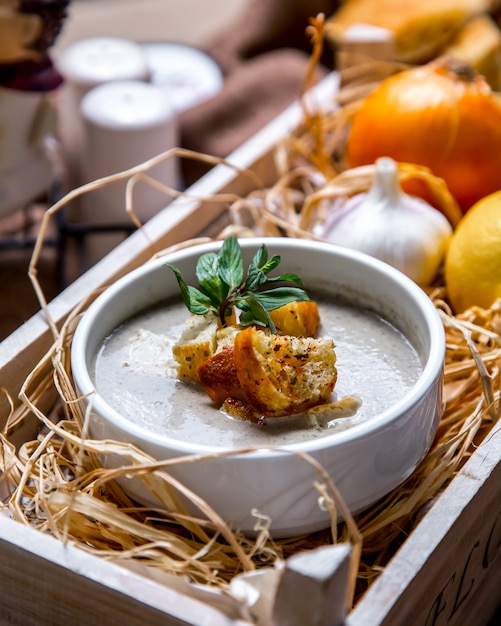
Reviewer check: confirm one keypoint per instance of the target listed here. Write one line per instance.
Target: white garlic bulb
(389, 224)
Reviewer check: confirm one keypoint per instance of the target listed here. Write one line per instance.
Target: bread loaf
(419, 29)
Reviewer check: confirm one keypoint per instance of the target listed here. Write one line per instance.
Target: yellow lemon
(473, 260)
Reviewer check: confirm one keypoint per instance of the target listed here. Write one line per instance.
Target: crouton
(280, 374)
(218, 376)
(196, 344)
(300, 318)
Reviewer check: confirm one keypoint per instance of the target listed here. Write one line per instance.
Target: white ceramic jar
(26, 171)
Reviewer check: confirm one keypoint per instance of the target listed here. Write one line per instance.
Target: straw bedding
(57, 485)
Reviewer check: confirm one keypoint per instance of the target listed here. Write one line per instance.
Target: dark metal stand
(79, 234)
(64, 233)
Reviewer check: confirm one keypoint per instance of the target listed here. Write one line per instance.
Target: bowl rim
(431, 373)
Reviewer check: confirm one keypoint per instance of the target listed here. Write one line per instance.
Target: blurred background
(188, 21)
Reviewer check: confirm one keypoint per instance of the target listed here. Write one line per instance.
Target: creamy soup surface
(135, 372)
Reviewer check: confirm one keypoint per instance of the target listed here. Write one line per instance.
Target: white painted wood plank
(46, 583)
(314, 587)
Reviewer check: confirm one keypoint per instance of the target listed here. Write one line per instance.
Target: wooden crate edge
(47, 582)
(448, 571)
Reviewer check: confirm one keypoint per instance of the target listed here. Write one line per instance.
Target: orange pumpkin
(441, 115)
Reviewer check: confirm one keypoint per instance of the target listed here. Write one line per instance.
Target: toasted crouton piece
(241, 409)
(300, 318)
(196, 344)
(283, 375)
(218, 376)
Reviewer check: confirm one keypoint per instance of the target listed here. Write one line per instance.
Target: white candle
(91, 62)
(188, 74)
(84, 65)
(127, 123)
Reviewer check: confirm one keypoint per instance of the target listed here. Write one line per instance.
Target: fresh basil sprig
(223, 285)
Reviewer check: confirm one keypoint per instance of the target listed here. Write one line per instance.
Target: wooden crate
(448, 572)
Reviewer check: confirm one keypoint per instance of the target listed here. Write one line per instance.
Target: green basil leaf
(255, 278)
(253, 312)
(294, 278)
(275, 298)
(260, 257)
(208, 278)
(198, 303)
(270, 265)
(230, 264)
(195, 301)
(181, 282)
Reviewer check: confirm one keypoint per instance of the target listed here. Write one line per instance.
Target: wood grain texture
(45, 583)
(448, 572)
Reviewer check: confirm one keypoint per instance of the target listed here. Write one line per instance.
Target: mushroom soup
(135, 372)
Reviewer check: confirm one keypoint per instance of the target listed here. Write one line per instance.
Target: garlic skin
(392, 226)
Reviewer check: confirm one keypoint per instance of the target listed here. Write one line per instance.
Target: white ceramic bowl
(365, 461)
